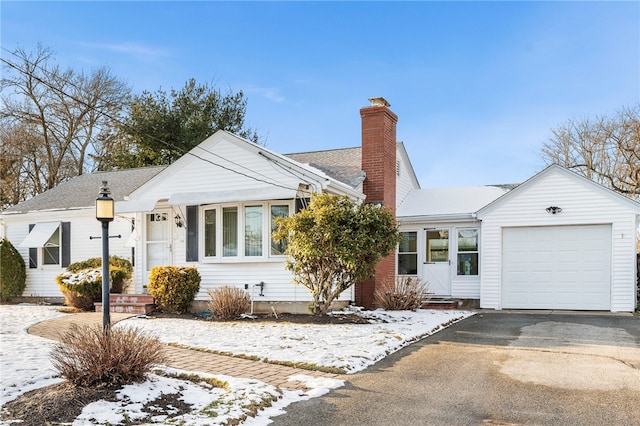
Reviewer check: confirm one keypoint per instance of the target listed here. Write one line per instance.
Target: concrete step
(440, 304)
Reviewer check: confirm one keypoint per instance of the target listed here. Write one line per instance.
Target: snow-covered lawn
(25, 364)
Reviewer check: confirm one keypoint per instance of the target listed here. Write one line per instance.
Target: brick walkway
(191, 360)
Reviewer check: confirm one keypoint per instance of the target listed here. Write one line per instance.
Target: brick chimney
(379, 164)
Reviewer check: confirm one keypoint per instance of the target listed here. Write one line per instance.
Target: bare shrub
(86, 356)
(228, 302)
(408, 294)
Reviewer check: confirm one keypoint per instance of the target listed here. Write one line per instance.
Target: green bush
(86, 356)
(81, 289)
(13, 273)
(120, 270)
(81, 283)
(174, 287)
(228, 302)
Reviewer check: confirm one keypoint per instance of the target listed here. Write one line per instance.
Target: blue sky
(477, 86)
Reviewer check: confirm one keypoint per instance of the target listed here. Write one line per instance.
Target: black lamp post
(105, 213)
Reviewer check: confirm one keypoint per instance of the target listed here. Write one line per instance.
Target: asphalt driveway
(497, 368)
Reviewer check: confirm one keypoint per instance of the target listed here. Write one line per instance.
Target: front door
(158, 242)
(436, 269)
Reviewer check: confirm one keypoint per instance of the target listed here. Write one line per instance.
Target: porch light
(553, 209)
(105, 214)
(105, 205)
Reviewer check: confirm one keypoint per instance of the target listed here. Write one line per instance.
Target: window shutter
(192, 233)
(33, 252)
(66, 244)
(302, 203)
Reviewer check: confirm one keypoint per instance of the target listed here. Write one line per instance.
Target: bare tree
(604, 149)
(59, 121)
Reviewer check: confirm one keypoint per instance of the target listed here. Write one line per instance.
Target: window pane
(467, 263)
(51, 250)
(408, 243)
(408, 264)
(210, 232)
(438, 246)
(276, 212)
(253, 231)
(468, 240)
(229, 231)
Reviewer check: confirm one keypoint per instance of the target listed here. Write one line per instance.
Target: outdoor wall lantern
(105, 212)
(553, 209)
(179, 221)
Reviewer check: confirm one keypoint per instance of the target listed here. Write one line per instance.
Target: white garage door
(557, 267)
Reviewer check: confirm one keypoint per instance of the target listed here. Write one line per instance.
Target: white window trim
(417, 253)
(457, 252)
(241, 257)
(57, 265)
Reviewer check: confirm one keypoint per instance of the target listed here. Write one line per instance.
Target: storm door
(436, 269)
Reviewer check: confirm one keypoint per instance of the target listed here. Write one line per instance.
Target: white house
(557, 241)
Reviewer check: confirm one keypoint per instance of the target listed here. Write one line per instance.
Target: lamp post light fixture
(105, 214)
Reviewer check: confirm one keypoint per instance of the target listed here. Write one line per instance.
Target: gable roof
(447, 203)
(344, 165)
(238, 164)
(556, 168)
(81, 191)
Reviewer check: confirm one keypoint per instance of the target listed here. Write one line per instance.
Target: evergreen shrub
(13, 273)
(174, 288)
(81, 283)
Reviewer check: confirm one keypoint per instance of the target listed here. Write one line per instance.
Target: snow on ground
(25, 364)
(346, 346)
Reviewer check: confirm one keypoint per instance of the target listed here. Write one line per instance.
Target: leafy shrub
(174, 287)
(87, 356)
(120, 270)
(81, 289)
(228, 302)
(13, 273)
(408, 294)
(81, 283)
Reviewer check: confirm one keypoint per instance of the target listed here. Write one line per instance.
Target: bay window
(241, 231)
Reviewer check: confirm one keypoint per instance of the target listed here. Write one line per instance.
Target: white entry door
(158, 242)
(436, 270)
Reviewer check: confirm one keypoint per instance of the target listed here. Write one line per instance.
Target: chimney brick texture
(379, 164)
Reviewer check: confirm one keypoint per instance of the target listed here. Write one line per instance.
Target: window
(229, 231)
(253, 231)
(438, 245)
(277, 249)
(467, 252)
(51, 249)
(241, 231)
(210, 232)
(408, 254)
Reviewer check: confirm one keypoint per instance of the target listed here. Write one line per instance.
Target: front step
(439, 304)
(140, 304)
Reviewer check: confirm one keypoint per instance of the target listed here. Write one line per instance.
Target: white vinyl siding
(462, 286)
(582, 203)
(41, 280)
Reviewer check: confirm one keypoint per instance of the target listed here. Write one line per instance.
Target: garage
(557, 267)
